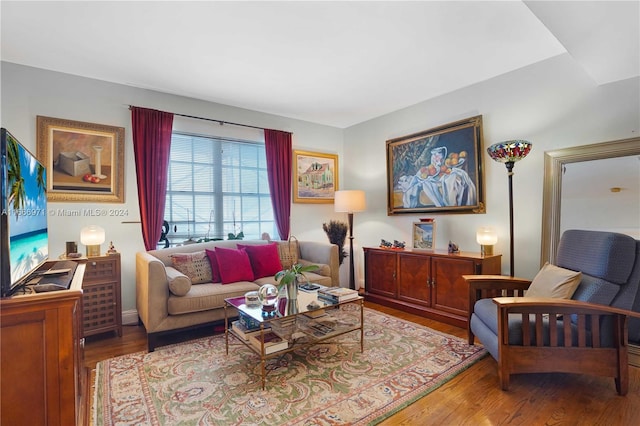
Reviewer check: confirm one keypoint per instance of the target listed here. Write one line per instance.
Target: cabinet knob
(93, 263)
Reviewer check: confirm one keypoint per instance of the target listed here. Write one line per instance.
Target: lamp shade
(92, 235)
(350, 201)
(509, 151)
(486, 236)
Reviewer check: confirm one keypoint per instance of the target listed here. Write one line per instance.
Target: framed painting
(424, 235)
(84, 161)
(315, 177)
(439, 170)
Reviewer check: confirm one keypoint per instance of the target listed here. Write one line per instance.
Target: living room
(554, 102)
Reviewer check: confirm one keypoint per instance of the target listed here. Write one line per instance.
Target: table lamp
(92, 236)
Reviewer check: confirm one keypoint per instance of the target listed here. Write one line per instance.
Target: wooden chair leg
(504, 379)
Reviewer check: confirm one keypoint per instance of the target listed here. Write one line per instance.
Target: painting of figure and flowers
(437, 170)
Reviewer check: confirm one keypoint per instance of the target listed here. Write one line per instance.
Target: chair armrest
(319, 253)
(539, 314)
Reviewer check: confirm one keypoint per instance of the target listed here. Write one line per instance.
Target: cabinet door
(450, 292)
(414, 285)
(380, 276)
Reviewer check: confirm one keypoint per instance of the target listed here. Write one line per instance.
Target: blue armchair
(586, 334)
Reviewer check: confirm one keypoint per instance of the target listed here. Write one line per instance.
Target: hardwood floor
(474, 396)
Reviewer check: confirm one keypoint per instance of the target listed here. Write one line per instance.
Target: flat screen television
(24, 242)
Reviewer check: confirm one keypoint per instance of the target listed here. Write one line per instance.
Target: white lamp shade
(486, 236)
(350, 201)
(92, 235)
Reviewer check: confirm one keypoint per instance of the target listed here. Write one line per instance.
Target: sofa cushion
(194, 265)
(207, 296)
(264, 259)
(234, 265)
(215, 269)
(553, 281)
(179, 283)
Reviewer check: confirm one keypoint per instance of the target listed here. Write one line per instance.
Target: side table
(101, 300)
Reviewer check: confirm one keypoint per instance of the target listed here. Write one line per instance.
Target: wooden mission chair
(586, 334)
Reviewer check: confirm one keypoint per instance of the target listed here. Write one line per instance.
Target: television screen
(24, 214)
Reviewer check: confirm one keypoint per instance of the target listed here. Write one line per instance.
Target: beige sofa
(161, 311)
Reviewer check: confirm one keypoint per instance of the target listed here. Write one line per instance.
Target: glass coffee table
(292, 326)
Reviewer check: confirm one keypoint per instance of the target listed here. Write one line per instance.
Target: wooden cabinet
(101, 300)
(41, 359)
(426, 283)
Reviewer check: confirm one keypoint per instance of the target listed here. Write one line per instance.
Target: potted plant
(289, 277)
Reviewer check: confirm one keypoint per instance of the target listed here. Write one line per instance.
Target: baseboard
(130, 317)
(634, 355)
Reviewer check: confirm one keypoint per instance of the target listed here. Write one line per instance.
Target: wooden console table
(41, 357)
(423, 282)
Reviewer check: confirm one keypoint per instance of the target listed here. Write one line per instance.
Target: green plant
(287, 276)
(337, 233)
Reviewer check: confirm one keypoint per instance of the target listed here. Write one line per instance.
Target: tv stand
(41, 359)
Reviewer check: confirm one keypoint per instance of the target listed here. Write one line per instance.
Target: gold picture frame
(84, 161)
(315, 177)
(440, 170)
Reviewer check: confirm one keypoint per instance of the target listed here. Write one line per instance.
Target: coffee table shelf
(301, 330)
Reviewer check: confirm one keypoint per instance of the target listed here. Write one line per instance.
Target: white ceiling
(334, 63)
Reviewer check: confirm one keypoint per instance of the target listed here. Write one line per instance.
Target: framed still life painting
(439, 170)
(84, 161)
(315, 177)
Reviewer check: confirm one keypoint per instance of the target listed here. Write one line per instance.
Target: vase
(292, 297)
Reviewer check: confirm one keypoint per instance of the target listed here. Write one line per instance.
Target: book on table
(243, 331)
(337, 294)
(272, 342)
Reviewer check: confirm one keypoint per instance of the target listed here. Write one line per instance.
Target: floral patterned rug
(196, 383)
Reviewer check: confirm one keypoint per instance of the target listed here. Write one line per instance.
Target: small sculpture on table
(385, 244)
(112, 249)
(453, 247)
(398, 244)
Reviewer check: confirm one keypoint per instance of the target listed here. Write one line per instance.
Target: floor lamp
(509, 153)
(350, 202)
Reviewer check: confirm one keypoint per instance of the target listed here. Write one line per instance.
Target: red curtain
(278, 150)
(151, 147)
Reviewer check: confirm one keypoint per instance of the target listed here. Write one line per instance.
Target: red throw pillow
(265, 260)
(234, 265)
(215, 270)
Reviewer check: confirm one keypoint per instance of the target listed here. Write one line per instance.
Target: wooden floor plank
(473, 397)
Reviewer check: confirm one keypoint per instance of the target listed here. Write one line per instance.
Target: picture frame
(424, 235)
(315, 177)
(439, 170)
(84, 161)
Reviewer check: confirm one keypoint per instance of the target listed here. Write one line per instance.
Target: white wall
(553, 104)
(28, 92)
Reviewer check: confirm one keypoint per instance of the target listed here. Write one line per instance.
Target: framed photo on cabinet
(424, 235)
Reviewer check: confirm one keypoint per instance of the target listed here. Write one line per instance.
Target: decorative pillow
(194, 265)
(264, 259)
(288, 252)
(234, 265)
(179, 284)
(215, 270)
(553, 281)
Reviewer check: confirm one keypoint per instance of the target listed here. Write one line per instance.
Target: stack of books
(242, 331)
(337, 294)
(272, 342)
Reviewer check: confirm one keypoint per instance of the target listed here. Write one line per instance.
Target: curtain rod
(221, 122)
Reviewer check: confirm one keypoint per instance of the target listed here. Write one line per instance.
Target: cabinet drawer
(99, 270)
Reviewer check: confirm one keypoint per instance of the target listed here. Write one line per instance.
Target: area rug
(196, 383)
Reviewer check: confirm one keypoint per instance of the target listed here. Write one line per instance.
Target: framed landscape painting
(439, 170)
(84, 161)
(315, 177)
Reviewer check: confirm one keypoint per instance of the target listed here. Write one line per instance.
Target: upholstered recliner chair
(585, 334)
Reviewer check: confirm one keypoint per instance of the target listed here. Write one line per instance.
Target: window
(217, 187)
